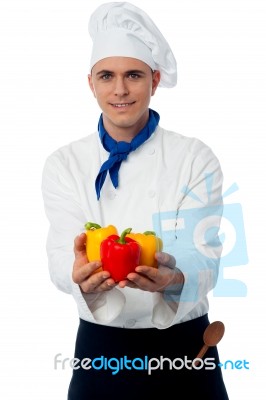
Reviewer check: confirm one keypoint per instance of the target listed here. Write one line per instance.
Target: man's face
(123, 87)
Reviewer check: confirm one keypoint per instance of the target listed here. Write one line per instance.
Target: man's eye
(106, 77)
(133, 76)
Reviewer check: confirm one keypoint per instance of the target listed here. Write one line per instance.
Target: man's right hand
(83, 271)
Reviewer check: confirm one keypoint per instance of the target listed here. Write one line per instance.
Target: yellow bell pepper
(95, 235)
(150, 244)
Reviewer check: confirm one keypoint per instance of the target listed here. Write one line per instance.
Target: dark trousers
(120, 359)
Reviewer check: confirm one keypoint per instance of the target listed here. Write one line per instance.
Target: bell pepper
(120, 255)
(95, 235)
(150, 244)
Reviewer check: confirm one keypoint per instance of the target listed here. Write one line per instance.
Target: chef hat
(122, 29)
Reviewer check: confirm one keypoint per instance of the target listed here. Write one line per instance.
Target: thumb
(80, 245)
(165, 259)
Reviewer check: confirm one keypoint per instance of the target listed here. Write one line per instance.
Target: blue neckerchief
(120, 150)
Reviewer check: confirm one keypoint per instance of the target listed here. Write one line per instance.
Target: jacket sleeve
(193, 240)
(66, 218)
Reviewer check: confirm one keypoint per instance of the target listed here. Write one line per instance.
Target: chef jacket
(171, 184)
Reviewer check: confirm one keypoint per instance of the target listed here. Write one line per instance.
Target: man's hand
(155, 279)
(83, 271)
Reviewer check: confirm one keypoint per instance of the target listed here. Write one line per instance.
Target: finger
(81, 273)
(149, 272)
(98, 284)
(126, 282)
(142, 282)
(165, 259)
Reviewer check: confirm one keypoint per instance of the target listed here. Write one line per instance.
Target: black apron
(116, 362)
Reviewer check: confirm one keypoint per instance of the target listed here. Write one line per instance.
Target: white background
(45, 103)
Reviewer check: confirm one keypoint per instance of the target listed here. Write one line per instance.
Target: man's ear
(156, 77)
(91, 85)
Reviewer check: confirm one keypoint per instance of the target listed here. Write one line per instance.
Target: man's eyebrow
(135, 71)
(103, 72)
(131, 71)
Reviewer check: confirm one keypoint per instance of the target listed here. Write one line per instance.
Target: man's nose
(120, 87)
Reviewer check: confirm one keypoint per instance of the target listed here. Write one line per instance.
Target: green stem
(121, 240)
(149, 233)
(92, 226)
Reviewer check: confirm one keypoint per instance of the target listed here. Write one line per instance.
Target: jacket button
(130, 323)
(150, 151)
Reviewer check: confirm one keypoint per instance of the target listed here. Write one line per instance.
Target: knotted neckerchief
(120, 150)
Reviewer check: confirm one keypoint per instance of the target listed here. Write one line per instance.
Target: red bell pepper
(120, 255)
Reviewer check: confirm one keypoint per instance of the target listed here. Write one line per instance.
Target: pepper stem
(91, 226)
(121, 240)
(149, 233)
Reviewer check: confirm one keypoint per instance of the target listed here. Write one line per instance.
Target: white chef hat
(124, 30)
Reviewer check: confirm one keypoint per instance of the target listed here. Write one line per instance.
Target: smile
(121, 105)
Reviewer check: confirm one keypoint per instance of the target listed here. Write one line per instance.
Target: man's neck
(124, 133)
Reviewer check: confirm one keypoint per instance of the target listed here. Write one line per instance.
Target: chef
(132, 172)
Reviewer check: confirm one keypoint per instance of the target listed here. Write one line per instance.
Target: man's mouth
(121, 105)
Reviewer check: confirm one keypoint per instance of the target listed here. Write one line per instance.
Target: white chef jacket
(167, 176)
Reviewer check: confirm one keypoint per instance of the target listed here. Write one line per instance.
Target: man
(139, 336)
